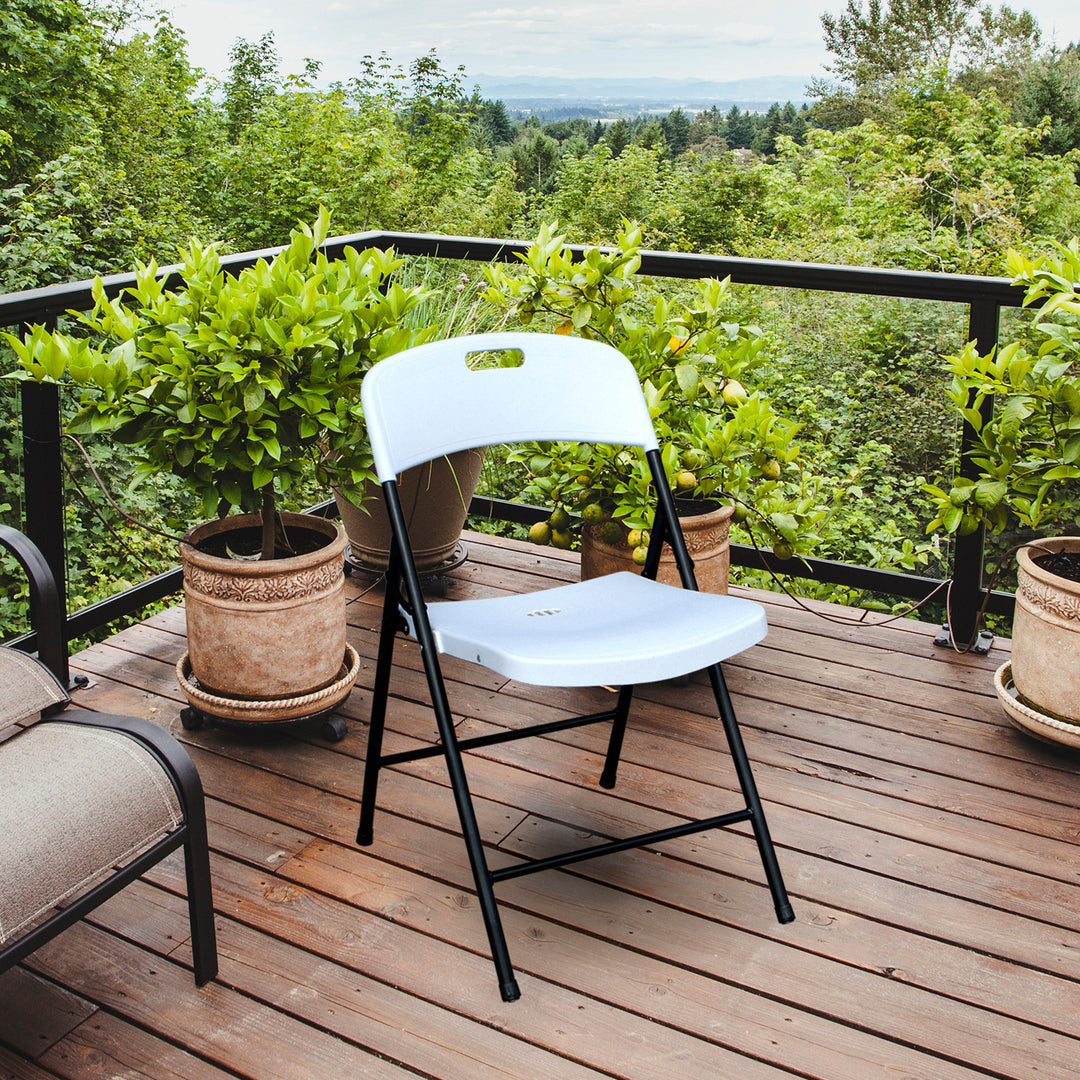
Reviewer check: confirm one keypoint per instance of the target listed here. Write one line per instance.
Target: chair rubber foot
(365, 837)
(509, 990)
(785, 913)
(607, 779)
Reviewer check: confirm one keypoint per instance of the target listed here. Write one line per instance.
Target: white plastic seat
(607, 631)
(618, 630)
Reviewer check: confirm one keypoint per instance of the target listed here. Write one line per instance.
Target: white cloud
(588, 37)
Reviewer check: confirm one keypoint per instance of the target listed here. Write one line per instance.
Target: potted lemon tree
(726, 451)
(1027, 473)
(242, 386)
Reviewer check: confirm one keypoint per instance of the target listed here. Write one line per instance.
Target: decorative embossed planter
(266, 631)
(706, 538)
(1046, 635)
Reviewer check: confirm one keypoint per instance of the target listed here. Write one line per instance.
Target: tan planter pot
(1046, 636)
(265, 631)
(435, 501)
(706, 539)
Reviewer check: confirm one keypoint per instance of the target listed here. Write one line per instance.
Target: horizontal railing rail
(983, 296)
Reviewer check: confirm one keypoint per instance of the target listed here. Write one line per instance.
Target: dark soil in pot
(1063, 564)
(247, 542)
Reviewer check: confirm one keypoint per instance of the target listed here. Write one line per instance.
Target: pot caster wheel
(334, 729)
(191, 718)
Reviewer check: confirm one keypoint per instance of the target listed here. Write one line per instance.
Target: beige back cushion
(26, 687)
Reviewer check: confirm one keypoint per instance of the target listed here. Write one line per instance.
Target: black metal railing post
(966, 593)
(43, 477)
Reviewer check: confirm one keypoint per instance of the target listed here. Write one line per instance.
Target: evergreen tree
(618, 137)
(739, 129)
(1051, 89)
(677, 127)
(764, 141)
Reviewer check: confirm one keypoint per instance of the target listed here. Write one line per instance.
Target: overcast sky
(708, 39)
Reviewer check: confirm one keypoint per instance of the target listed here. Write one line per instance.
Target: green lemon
(639, 555)
(560, 519)
(783, 550)
(771, 470)
(593, 514)
(685, 480)
(611, 533)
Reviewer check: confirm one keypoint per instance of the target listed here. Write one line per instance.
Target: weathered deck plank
(932, 853)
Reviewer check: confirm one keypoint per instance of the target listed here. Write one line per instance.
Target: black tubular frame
(47, 620)
(401, 570)
(984, 297)
(191, 835)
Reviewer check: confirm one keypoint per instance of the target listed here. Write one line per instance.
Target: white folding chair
(616, 630)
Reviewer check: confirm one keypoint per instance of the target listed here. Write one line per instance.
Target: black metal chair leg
(379, 695)
(470, 831)
(615, 741)
(200, 899)
(773, 876)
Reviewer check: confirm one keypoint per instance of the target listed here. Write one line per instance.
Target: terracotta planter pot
(1046, 635)
(706, 539)
(265, 631)
(435, 501)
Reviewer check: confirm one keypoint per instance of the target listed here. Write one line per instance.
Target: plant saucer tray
(281, 710)
(1030, 720)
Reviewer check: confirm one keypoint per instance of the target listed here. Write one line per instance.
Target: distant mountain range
(518, 92)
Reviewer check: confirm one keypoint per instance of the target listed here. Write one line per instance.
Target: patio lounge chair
(88, 802)
(616, 630)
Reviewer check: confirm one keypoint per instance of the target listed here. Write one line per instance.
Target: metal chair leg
(379, 694)
(784, 912)
(470, 831)
(615, 741)
(200, 897)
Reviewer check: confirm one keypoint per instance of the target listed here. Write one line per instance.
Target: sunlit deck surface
(932, 854)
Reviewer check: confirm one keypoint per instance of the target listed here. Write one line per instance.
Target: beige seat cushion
(75, 801)
(26, 687)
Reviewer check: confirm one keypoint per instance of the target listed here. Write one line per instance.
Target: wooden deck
(932, 854)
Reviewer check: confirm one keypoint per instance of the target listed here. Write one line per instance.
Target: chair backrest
(428, 401)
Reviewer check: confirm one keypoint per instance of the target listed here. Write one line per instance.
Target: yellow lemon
(733, 392)
(540, 533)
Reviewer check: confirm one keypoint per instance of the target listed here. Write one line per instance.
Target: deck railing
(984, 297)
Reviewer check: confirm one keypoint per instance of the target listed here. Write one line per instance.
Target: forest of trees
(943, 133)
